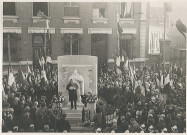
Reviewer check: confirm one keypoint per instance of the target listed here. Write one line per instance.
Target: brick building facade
(82, 28)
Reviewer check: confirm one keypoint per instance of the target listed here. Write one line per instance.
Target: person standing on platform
(72, 88)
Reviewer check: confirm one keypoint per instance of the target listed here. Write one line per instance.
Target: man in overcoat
(72, 89)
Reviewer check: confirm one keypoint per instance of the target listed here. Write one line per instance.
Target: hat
(142, 126)
(27, 109)
(16, 99)
(127, 131)
(164, 130)
(150, 115)
(174, 128)
(46, 127)
(15, 127)
(114, 121)
(65, 131)
(162, 116)
(122, 118)
(11, 110)
(151, 127)
(31, 125)
(139, 103)
(98, 130)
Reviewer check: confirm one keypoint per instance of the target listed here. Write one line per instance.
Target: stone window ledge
(68, 19)
(100, 20)
(37, 19)
(14, 19)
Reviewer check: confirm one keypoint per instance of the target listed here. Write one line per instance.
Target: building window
(9, 8)
(99, 48)
(126, 45)
(127, 10)
(71, 9)
(13, 47)
(38, 41)
(71, 44)
(99, 10)
(40, 6)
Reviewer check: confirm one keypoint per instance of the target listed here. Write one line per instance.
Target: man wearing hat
(174, 129)
(63, 124)
(98, 130)
(142, 128)
(72, 89)
(123, 126)
(151, 129)
(164, 130)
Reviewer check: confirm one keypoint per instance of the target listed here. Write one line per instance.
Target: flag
(118, 61)
(28, 70)
(120, 30)
(161, 81)
(181, 27)
(11, 79)
(44, 76)
(22, 78)
(48, 59)
(126, 66)
(47, 27)
(167, 80)
(155, 34)
(42, 62)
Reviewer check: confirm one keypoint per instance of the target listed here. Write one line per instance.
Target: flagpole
(45, 43)
(9, 55)
(164, 39)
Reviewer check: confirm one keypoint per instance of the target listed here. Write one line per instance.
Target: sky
(179, 11)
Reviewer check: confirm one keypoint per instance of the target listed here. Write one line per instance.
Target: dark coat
(72, 88)
(62, 125)
(122, 127)
(10, 124)
(25, 123)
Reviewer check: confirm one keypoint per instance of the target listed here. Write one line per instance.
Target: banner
(155, 34)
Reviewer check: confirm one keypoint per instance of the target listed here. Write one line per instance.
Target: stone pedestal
(92, 108)
(86, 68)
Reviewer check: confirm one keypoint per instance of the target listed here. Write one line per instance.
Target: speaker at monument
(82, 69)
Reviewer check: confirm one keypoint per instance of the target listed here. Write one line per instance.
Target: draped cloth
(79, 80)
(155, 34)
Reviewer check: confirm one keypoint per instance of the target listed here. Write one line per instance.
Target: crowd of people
(146, 100)
(28, 103)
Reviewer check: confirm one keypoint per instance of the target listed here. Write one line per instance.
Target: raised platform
(73, 115)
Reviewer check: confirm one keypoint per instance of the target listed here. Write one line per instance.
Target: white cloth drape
(128, 7)
(155, 34)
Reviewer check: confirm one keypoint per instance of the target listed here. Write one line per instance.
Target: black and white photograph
(96, 66)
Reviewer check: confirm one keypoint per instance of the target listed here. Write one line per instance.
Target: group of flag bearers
(163, 76)
(42, 71)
